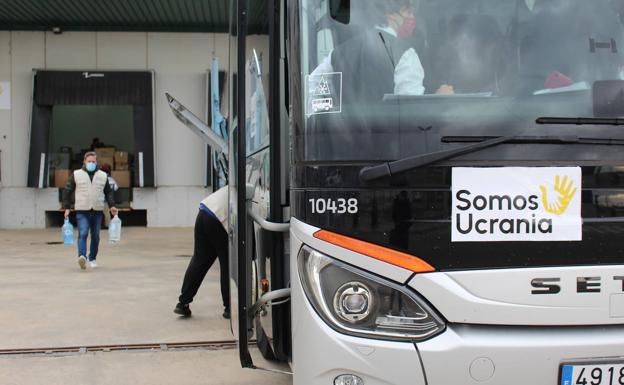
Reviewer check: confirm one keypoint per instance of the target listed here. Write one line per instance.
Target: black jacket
(367, 63)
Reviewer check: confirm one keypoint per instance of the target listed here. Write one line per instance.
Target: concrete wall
(180, 62)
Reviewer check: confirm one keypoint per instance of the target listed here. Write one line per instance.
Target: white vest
(89, 193)
(217, 202)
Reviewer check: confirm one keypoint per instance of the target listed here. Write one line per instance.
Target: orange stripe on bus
(380, 253)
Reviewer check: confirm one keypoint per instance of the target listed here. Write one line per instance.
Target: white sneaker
(82, 262)
(93, 265)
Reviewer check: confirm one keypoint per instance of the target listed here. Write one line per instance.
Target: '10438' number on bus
(334, 206)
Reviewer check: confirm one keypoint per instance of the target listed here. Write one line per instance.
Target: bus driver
(381, 60)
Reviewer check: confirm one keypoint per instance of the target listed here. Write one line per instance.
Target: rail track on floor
(145, 347)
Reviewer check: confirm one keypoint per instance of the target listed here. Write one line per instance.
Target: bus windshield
(389, 79)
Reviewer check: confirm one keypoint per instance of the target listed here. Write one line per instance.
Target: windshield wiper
(581, 121)
(395, 167)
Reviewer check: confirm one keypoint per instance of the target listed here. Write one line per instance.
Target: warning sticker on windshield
(324, 93)
(516, 204)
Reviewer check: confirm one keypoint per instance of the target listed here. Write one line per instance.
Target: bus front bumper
(470, 354)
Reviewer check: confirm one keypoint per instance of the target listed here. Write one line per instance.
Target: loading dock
(77, 105)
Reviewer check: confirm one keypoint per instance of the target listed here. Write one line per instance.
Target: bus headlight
(355, 302)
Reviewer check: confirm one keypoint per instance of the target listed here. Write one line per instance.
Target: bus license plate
(600, 373)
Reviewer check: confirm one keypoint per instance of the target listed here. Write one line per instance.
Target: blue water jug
(68, 233)
(114, 230)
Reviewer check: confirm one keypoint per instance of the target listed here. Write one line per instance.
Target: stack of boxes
(121, 171)
(117, 160)
(63, 164)
(105, 155)
(60, 163)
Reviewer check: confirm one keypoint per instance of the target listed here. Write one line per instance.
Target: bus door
(258, 268)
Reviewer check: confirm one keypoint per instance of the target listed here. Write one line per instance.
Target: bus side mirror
(340, 10)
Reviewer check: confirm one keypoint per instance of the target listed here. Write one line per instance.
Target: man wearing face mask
(380, 61)
(92, 190)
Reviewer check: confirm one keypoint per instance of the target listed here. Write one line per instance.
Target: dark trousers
(211, 241)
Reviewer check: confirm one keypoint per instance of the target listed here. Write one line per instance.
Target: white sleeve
(409, 75)
(113, 183)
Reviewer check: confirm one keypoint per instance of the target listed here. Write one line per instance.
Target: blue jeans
(89, 221)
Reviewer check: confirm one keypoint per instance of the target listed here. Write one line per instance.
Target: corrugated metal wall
(115, 15)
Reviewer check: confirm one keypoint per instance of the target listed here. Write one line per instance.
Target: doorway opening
(71, 109)
(106, 129)
(109, 112)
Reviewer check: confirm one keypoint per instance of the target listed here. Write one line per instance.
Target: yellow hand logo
(566, 193)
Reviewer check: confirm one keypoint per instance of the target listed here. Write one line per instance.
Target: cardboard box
(121, 157)
(122, 178)
(122, 167)
(105, 152)
(61, 177)
(104, 160)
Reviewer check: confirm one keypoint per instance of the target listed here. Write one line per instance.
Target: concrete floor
(47, 301)
(149, 368)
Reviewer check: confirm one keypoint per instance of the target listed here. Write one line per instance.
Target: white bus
(460, 221)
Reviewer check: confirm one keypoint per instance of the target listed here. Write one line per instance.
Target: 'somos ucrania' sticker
(516, 204)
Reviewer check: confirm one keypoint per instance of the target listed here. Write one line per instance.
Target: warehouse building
(82, 74)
